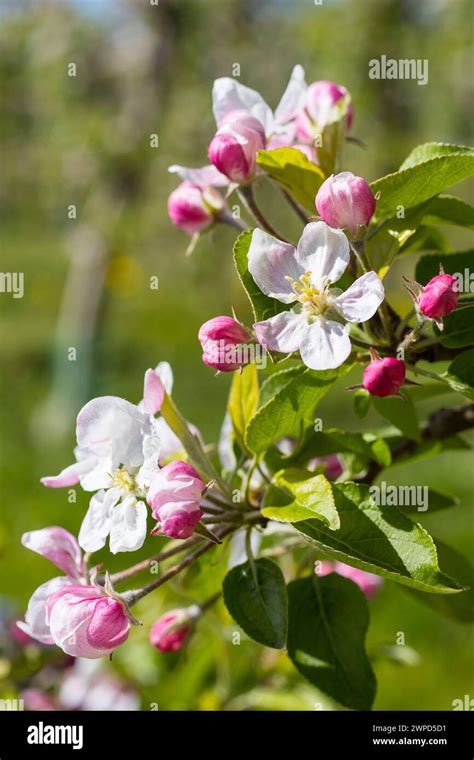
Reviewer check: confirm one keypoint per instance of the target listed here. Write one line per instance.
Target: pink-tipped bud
(85, 622)
(345, 201)
(233, 150)
(369, 583)
(174, 497)
(318, 110)
(439, 297)
(193, 207)
(383, 377)
(220, 339)
(170, 631)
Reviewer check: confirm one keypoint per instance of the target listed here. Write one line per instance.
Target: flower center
(313, 299)
(122, 479)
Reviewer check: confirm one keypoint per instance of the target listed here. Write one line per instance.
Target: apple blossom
(170, 631)
(438, 297)
(345, 201)
(369, 583)
(117, 452)
(194, 207)
(318, 110)
(174, 495)
(85, 621)
(219, 338)
(61, 548)
(229, 95)
(383, 377)
(304, 276)
(233, 150)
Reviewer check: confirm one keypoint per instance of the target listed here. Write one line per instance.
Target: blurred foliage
(85, 140)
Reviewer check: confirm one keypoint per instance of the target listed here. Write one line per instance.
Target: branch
(441, 424)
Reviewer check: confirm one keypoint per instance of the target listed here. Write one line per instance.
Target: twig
(247, 195)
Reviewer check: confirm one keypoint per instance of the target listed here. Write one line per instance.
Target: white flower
(229, 95)
(304, 276)
(117, 452)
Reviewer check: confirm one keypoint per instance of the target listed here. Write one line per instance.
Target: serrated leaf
(255, 595)
(273, 384)
(427, 151)
(460, 374)
(422, 177)
(435, 501)
(328, 621)
(281, 415)
(381, 540)
(402, 414)
(294, 171)
(243, 400)
(310, 497)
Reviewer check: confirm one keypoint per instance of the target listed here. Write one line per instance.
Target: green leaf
(294, 171)
(453, 263)
(457, 606)
(435, 501)
(255, 595)
(273, 384)
(425, 173)
(263, 307)
(311, 496)
(460, 374)
(335, 441)
(328, 621)
(361, 402)
(381, 540)
(447, 209)
(458, 329)
(381, 251)
(402, 414)
(296, 400)
(427, 151)
(243, 400)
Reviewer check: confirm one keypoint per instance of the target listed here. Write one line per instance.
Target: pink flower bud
(383, 377)
(233, 149)
(219, 338)
(193, 207)
(369, 583)
(317, 111)
(85, 622)
(438, 297)
(345, 201)
(331, 463)
(170, 631)
(174, 496)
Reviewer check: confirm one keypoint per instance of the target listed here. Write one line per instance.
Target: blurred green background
(85, 140)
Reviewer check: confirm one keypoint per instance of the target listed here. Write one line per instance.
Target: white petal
(71, 475)
(153, 392)
(324, 252)
(165, 373)
(326, 345)
(284, 332)
(96, 524)
(229, 95)
(205, 175)
(35, 624)
(113, 429)
(292, 97)
(151, 455)
(128, 526)
(360, 302)
(270, 261)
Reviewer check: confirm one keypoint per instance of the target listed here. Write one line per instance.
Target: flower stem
(247, 195)
(226, 217)
(299, 210)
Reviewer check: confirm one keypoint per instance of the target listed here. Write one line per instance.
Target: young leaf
(243, 400)
(273, 384)
(361, 403)
(435, 501)
(255, 595)
(294, 171)
(311, 497)
(440, 210)
(335, 441)
(328, 621)
(460, 374)
(419, 180)
(380, 540)
(282, 414)
(402, 414)
(427, 151)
